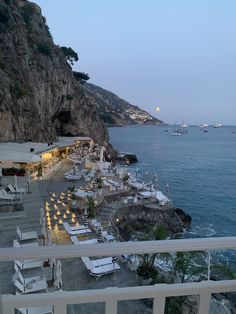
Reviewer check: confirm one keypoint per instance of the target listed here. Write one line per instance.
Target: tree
(99, 182)
(81, 76)
(91, 207)
(70, 54)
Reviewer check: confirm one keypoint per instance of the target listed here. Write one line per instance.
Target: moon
(157, 108)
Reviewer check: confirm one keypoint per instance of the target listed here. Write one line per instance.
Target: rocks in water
(135, 220)
(127, 158)
(185, 218)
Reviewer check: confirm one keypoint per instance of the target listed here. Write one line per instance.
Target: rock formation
(39, 96)
(115, 111)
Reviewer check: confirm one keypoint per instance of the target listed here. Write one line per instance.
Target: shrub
(4, 14)
(45, 49)
(2, 64)
(27, 12)
(20, 91)
(70, 54)
(13, 171)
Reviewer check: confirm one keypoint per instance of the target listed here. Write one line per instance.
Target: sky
(179, 55)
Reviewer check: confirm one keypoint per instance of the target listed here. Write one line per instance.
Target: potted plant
(146, 271)
(125, 180)
(91, 207)
(99, 183)
(72, 190)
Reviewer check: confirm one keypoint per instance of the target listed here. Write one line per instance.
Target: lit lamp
(67, 211)
(60, 222)
(73, 215)
(55, 217)
(64, 216)
(55, 227)
(73, 220)
(58, 213)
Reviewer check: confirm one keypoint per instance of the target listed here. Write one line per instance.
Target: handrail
(116, 249)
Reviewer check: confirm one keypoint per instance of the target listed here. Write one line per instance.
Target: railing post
(159, 305)
(204, 303)
(6, 309)
(111, 307)
(60, 308)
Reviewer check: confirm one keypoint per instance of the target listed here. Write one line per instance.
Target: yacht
(216, 126)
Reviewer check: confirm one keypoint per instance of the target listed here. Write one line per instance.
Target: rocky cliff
(115, 111)
(39, 96)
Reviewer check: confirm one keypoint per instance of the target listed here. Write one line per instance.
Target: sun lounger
(35, 310)
(75, 241)
(27, 264)
(23, 243)
(5, 196)
(29, 280)
(26, 235)
(76, 230)
(101, 270)
(13, 190)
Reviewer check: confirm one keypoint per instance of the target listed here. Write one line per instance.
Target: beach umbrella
(58, 279)
(99, 235)
(0, 174)
(49, 236)
(43, 229)
(41, 216)
(15, 179)
(52, 263)
(109, 230)
(86, 218)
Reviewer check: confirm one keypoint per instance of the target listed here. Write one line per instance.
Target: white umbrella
(41, 216)
(99, 235)
(109, 230)
(43, 229)
(86, 218)
(58, 279)
(0, 174)
(15, 178)
(49, 236)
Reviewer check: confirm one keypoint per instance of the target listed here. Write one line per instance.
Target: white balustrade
(60, 299)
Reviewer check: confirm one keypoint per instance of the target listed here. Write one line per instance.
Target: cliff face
(115, 111)
(39, 96)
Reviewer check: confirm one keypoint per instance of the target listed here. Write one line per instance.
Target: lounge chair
(18, 265)
(29, 280)
(76, 230)
(23, 243)
(5, 196)
(30, 235)
(35, 310)
(12, 189)
(75, 241)
(99, 271)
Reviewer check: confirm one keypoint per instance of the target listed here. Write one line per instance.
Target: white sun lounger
(99, 271)
(36, 310)
(75, 241)
(29, 280)
(23, 243)
(27, 264)
(26, 235)
(17, 190)
(5, 196)
(77, 231)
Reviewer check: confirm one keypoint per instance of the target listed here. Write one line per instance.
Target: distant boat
(184, 125)
(176, 133)
(216, 126)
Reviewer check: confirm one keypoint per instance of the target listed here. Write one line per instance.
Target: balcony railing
(110, 296)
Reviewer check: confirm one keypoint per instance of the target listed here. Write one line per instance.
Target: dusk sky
(177, 55)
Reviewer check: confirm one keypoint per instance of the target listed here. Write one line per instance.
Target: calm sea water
(200, 169)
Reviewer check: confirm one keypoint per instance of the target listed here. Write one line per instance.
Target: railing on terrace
(110, 296)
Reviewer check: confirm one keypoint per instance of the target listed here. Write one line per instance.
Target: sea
(196, 170)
